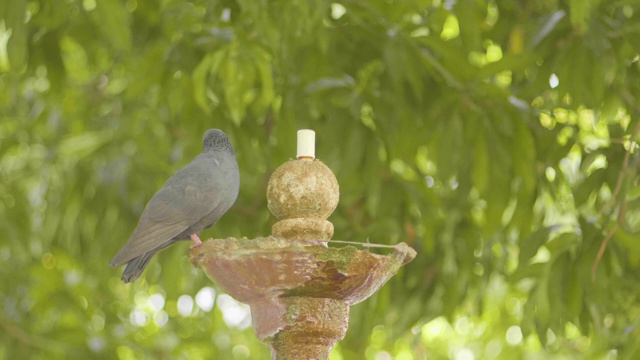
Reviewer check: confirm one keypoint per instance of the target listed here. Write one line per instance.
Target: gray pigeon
(192, 199)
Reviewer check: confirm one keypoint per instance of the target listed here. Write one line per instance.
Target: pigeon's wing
(171, 211)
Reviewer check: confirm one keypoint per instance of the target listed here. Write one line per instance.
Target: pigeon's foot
(196, 240)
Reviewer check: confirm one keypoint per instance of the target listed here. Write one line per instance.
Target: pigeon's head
(216, 140)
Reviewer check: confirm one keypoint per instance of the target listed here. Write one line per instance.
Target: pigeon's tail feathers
(136, 266)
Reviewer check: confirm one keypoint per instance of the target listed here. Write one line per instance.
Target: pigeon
(193, 199)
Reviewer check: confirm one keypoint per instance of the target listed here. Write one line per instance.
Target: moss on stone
(341, 257)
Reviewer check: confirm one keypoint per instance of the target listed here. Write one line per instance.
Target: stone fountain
(299, 289)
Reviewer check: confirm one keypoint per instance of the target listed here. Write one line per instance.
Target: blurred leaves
(238, 71)
(496, 138)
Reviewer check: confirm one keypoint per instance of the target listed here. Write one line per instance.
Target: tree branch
(623, 170)
(605, 241)
(614, 196)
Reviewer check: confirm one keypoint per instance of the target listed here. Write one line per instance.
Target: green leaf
(575, 294)
(500, 185)
(209, 64)
(480, 163)
(524, 150)
(630, 242)
(591, 185)
(468, 19)
(558, 245)
(543, 306)
(523, 214)
(451, 63)
(448, 147)
(509, 62)
(267, 93)
(557, 289)
(612, 104)
(530, 271)
(580, 13)
(146, 73)
(529, 246)
(55, 66)
(528, 317)
(17, 46)
(79, 146)
(200, 75)
(114, 23)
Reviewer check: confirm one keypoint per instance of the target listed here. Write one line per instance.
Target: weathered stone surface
(302, 189)
(280, 278)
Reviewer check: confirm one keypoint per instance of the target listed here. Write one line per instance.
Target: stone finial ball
(302, 189)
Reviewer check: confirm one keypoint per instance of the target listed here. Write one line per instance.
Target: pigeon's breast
(219, 183)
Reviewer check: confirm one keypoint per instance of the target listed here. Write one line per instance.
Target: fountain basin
(297, 291)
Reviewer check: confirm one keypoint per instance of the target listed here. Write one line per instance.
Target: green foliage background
(497, 138)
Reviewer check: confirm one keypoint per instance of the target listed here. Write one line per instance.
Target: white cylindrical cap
(306, 144)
